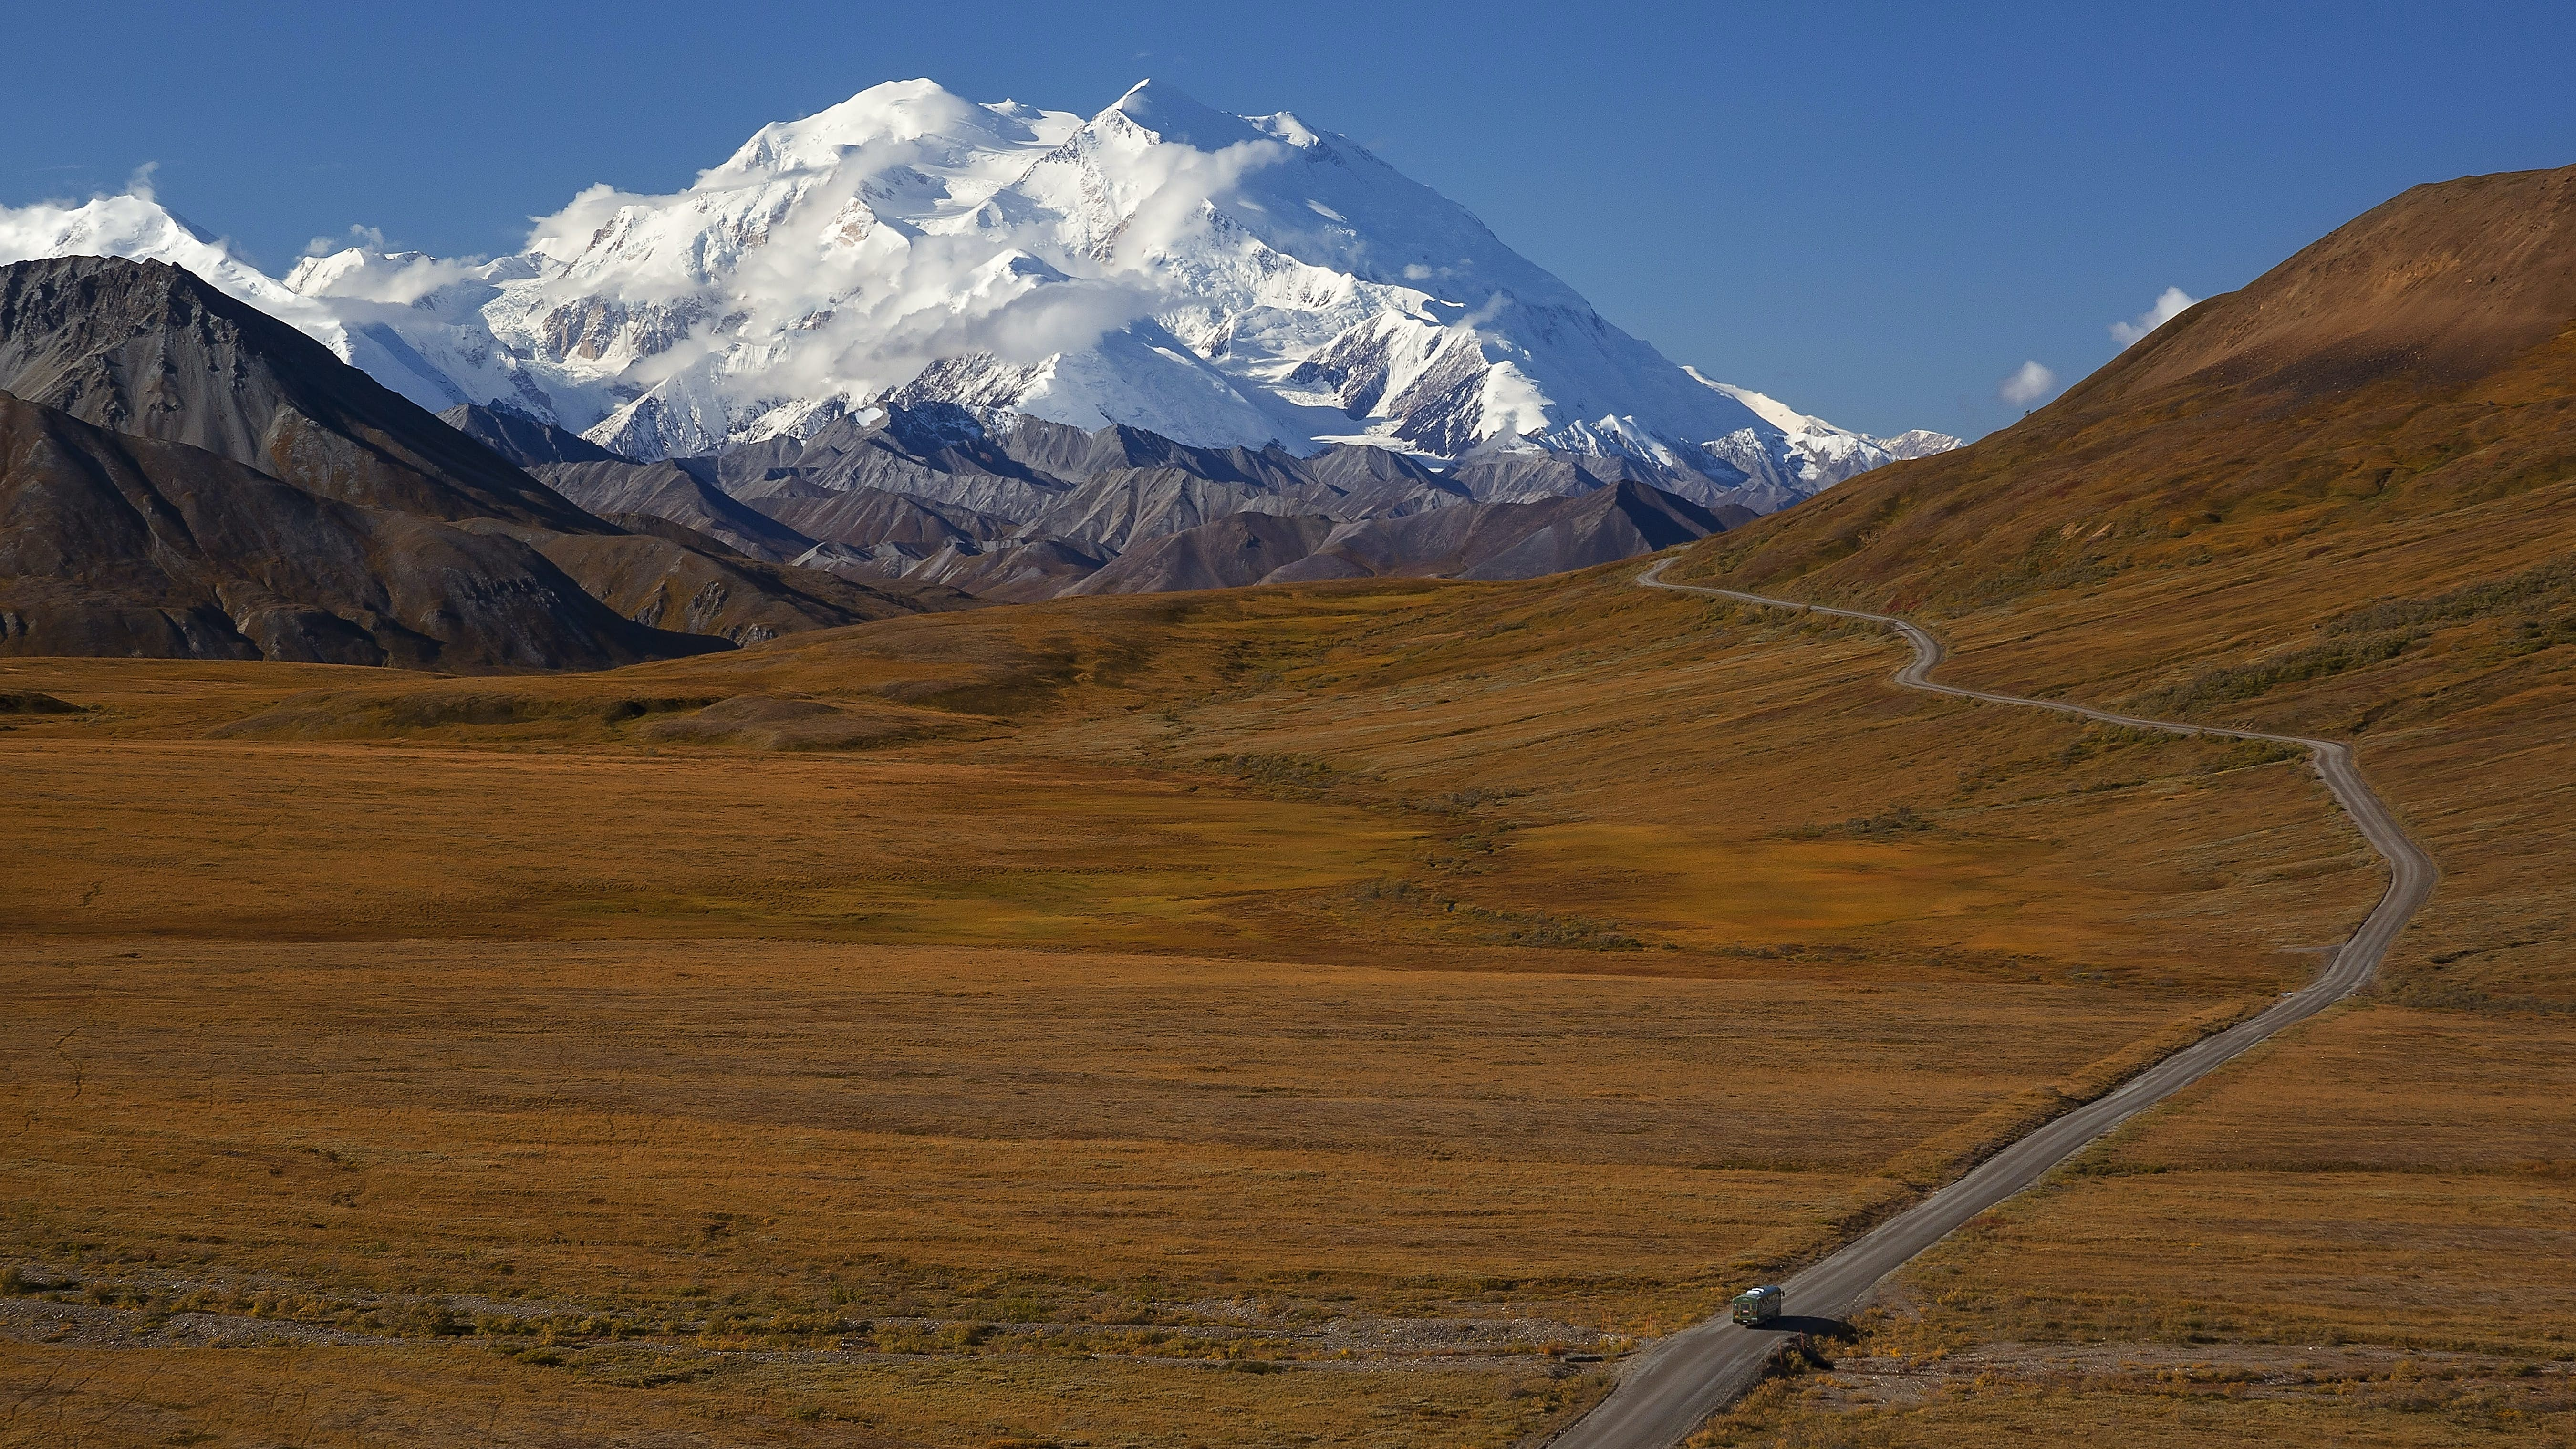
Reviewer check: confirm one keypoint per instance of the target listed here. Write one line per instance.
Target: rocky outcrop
(118, 545)
(148, 349)
(189, 477)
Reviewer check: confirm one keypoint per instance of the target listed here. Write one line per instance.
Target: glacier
(1221, 280)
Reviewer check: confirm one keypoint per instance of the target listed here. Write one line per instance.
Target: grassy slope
(1175, 979)
(1532, 956)
(2339, 502)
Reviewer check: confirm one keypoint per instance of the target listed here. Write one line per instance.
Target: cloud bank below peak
(1217, 278)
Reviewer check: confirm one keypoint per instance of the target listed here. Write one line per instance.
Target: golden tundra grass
(1433, 975)
(2358, 1235)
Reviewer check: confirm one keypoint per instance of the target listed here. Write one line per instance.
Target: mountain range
(1221, 281)
(908, 353)
(182, 475)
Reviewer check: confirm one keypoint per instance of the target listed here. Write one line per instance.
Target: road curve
(1695, 1372)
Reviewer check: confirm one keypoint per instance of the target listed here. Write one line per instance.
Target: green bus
(1757, 1305)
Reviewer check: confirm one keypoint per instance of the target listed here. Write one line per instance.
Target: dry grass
(892, 1127)
(2358, 1235)
(1427, 974)
(263, 1396)
(2387, 566)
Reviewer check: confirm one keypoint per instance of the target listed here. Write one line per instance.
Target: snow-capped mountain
(1213, 278)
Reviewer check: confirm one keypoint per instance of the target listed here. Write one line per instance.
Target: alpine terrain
(1001, 779)
(1218, 280)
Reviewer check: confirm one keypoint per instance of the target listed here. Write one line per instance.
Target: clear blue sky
(1873, 211)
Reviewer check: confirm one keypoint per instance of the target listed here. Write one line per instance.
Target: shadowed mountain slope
(677, 492)
(604, 483)
(148, 349)
(1228, 553)
(119, 545)
(523, 440)
(863, 516)
(1518, 540)
(1465, 541)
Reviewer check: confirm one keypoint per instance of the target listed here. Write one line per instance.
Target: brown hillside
(2415, 361)
(1349, 1012)
(2340, 501)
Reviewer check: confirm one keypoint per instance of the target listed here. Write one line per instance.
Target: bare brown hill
(118, 545)
(2339, 502)
(149, 349)
(2416, 361)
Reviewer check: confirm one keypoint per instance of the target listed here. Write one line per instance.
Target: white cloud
(2169, 305)
(2027, 384)
(139, 185)
(566, 234)
(366, 238)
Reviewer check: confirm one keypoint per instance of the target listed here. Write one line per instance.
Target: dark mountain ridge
(187, 476)
(148, 349)
(112, 544)
(1028, 509)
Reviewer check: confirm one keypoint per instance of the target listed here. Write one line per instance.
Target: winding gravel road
(1696, 1372)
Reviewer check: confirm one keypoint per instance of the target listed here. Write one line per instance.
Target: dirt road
(1694, 1373)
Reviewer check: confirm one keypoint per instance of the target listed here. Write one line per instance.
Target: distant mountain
(1034, 510)
(113, 544)
(183, 475)
(1218, 280)
(1477, 541)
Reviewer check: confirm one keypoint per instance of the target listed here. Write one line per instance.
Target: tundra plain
(1347, 1014)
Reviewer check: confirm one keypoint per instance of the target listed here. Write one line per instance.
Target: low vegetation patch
(2544, 595)
(2236, 682)
(764, 722)
(378, 714)
(28, 701)
(1492, 927)
(1279, 772)
(1894, 820)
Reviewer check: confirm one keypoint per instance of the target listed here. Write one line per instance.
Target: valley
(1381, 1060)
(999, 779)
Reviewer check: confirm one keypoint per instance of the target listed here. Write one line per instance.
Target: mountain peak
(892, 111)
(1218, 279)
(1173, 114)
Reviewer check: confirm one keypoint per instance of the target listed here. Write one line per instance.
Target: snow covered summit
(1214, 278)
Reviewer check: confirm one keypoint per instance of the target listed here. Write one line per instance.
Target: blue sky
(1876, 213)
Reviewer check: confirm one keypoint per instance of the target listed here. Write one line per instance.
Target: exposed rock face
(148, 349)
(1512, 540)
(1014, 572)
(1241, 549)
(679, 493)
(1032, 509)
(119, 545)
(523, 440)
(1477, 541)
(186, 476)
